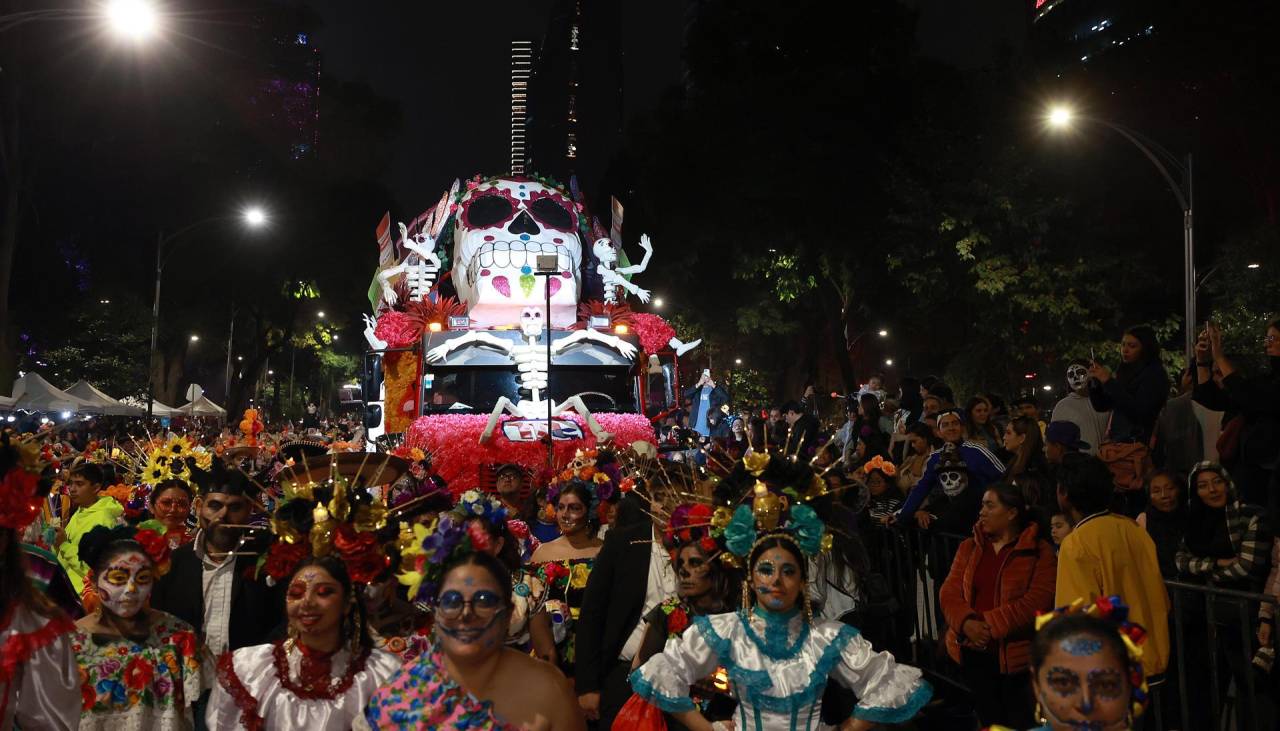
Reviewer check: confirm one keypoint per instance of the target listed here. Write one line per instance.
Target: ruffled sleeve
(888, 691)
(232, 704)
(665, 679)
(48, 693)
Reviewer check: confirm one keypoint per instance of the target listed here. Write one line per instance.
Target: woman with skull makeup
(41, 688)
(139, 667)
(1086, 668)
(777, 658)
(470, 679)
(319, 678)
(565, 564)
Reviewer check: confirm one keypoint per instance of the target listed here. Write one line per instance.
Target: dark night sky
(448, 65)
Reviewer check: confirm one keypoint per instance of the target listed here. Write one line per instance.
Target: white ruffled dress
(778, 666)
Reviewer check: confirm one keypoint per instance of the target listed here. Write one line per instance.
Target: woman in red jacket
(1000, 578)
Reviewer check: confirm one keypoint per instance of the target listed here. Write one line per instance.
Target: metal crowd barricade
(1211, 683)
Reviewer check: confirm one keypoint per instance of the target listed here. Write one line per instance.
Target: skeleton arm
(439, 352)
(611, 278)
(384, 280)
(370, 324)
(647, 245)
(626, 349)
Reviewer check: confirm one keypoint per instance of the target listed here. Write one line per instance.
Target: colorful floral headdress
(698, 523)
(777, 490)
(879, 464)
(602, 481)
(20, 498)
(327, 518)
(1113, 611)
(426, 549)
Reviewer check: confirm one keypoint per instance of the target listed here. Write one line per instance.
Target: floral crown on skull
(597, 472)
(149, 535)
(1113, 611)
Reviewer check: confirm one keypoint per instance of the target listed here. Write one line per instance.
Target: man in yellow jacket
(1110, 555)
(91, 509)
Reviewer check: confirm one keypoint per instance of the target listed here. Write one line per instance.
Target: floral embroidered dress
(284, 686)
(38, 675)
(127, 685)
(421, 696)
(778, 666)
(566, 584)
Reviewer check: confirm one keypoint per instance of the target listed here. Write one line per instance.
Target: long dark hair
(972, 428)
(1150, 352)
(509, 554)
(870, 411)
(354, 623)
(1032, 444)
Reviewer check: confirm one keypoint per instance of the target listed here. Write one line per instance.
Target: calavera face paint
(1077, 376)
(693, 571)
(125, 584)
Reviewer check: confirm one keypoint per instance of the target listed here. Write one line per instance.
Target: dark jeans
(998, 698)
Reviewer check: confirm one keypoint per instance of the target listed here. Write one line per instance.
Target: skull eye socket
(551, 214)
(488, 210)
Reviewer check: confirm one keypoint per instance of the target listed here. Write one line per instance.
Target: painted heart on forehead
(501, 226)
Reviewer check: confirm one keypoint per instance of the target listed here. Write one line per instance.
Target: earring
(808, 606)
(746, 597)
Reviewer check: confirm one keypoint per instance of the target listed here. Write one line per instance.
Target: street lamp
(883, 333)
(888, 361)
(135, 20)
(657, 303)
(195, 338)
(1253, 265)
(737, 361)
(320, 314)
(1062, 117)
(252, 217)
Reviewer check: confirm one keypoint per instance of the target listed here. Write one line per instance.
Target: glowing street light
(255, 217)
(195, 338)
(320, 314)
(1253, 265)
(737, 361)
(888, 361)
(657, 303)
(1047, 387)
(135, 20)
(883, 333)
(1061, 116)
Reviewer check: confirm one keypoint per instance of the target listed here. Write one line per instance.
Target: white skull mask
(604, 251)
(125, 584)
(1077, 376)
(531, 322)
(953, 482)
(501, 226)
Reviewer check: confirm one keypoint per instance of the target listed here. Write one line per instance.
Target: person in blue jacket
(953, 481)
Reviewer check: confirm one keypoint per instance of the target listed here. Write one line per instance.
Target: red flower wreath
(156, 546)
(360, 552)
(282, 558)
(677, 621)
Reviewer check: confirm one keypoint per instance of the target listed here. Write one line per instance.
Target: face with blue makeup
(777, 578)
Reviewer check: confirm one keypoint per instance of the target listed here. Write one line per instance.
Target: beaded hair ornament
(1115, 612)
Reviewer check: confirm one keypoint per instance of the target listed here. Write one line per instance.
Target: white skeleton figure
(531, 361)
(608, 256)
(370, 325)
(420, 267)
(613, 275)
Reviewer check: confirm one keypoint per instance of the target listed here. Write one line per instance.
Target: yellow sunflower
(178, 447)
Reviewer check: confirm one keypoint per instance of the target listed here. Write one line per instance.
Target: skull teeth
(518, 254)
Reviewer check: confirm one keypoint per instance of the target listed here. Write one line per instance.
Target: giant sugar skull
(501, 226)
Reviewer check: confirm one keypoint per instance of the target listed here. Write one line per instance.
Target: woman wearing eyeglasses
(470, 679)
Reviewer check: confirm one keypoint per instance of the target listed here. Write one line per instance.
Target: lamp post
(135, 20)
(253, 218)
(1062, 117)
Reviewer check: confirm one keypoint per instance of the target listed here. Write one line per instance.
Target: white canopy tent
(201, 406)
(84, 390)
(33, 393)
(157, 408)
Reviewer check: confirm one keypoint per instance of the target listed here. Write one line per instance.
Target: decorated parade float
(524, 344)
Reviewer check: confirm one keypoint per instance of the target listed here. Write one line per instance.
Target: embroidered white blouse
(778, 666)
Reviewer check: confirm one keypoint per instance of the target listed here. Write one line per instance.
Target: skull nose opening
(523, 224)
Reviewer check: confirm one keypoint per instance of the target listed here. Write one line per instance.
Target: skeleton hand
(642, 294)
(645, 243)
(438, 353)
(627, 349)
(370, 322)
(389, 294)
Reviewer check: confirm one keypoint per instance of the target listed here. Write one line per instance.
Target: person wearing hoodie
(90, 509)
(1255, 401)
(1226, 544)
(955, 499)
(1076, 408)
(1000, 580)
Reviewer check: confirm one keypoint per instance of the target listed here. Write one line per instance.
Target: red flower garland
(281, 661)
(19, 505)
(361, 553)
(282, 557)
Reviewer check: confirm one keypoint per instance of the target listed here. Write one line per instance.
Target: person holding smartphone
(705, 397)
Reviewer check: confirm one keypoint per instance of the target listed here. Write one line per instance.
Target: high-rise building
(521, 75)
